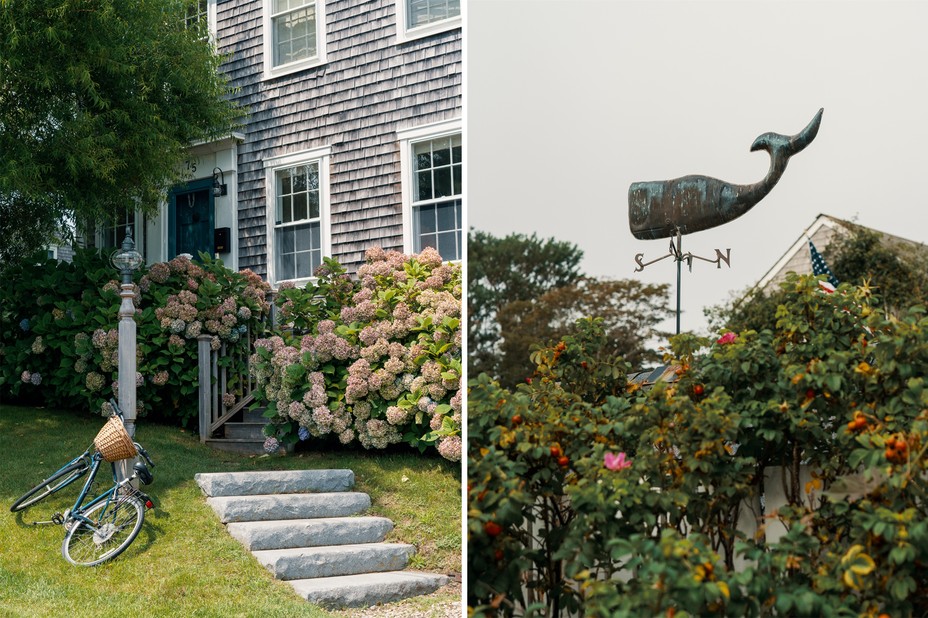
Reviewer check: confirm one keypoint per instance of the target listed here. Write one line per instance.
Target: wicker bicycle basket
(114, 442)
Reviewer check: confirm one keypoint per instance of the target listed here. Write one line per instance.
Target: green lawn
(183, 563)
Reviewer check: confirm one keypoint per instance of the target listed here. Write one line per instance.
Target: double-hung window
(111, 235)
(433, 189)
(298, 215)
(294, 35)
(202, 14)
(418, 18)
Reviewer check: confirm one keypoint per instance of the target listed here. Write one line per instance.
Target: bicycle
(101, 529)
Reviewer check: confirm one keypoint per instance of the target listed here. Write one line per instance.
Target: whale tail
(785, 145)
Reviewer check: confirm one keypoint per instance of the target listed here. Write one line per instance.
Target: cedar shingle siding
(369, 87)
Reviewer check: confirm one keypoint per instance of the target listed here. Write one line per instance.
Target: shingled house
(821, 233)
(352, 139)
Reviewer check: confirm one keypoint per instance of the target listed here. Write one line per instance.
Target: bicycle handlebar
(144, 454)
(116, 410)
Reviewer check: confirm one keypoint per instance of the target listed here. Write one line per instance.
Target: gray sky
(568, 102)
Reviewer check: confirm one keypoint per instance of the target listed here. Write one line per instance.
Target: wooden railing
(226, 371)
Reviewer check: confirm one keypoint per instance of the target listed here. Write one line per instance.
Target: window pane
(299, 207)
(286, 209)
(424, 186)
(423, 159)
(442, 186)
(285, 239)
(285, 267)
(448, 245)
(445, 216)
(316, 236)
(456, 151)
(427, 240)
(312, 177)
(304, 264)
(313, 204)
(299, 179)
(441, 152)
(457, 186)
(426, 219)
(283, 182)
(304, 238)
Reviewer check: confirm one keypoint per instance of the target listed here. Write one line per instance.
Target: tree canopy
(99, 100)
(504, 270)
(524, 291)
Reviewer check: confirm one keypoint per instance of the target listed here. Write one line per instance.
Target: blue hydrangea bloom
(303, 433)
(24, 324)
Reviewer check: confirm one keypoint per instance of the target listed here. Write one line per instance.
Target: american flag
(819, 267)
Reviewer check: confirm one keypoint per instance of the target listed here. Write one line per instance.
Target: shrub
(61, 323)
(834, 395)
(375, 360)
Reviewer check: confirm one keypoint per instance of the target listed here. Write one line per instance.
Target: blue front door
(191, 219)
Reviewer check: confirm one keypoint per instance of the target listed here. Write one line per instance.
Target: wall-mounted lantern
(219, 183)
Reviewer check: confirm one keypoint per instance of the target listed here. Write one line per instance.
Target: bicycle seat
(141, 470)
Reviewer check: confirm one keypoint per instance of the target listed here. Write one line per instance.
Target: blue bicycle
(103, 527)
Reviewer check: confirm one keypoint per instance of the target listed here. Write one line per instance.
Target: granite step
(288, 506)
(242, 446)
(313, 562)
(290, 533)
(365, 590)
(249, 431)
(274, 482)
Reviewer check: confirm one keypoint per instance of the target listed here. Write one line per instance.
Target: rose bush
(374, 360)
(834, 396)
(60, 329)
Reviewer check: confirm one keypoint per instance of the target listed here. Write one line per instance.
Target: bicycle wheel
(113, 527)
(58, 480)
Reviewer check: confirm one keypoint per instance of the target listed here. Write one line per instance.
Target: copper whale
(664, 208)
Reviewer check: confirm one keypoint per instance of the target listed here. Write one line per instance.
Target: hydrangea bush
(374, 360)
(591, 496)
(60, 329)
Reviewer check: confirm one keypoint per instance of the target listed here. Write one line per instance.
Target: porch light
(219, 182)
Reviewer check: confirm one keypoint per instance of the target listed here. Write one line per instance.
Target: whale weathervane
(666, 208)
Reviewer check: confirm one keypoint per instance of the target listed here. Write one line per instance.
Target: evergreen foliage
(99, 100)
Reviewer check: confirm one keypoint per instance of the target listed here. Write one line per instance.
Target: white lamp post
(126, 261)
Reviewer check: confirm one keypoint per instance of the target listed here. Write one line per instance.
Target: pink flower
(727, 338)
(616, 462)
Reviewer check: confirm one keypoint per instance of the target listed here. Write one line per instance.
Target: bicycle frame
(79, 506)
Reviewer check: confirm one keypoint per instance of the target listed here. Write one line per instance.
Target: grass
(183, 563)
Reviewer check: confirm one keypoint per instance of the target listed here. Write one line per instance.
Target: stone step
(288, 506)
(249, 431)
(312, 562)
(274, 482)
(367, 589)
(237, 445)
(290, 533)
(254, 416)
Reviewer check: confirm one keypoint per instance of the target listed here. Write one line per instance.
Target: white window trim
(406, 139)
(212, 21)
(322, 156)
(271, 71)
(404, 34)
